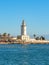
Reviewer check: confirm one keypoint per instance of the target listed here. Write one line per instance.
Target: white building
(23, 35)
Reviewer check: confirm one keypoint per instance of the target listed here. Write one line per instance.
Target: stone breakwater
(28, 42)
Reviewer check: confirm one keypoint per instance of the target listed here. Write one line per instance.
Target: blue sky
(34, 12)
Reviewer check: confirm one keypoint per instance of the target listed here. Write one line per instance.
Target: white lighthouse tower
(24, 36)
(23, 28)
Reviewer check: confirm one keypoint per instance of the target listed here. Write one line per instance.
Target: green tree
(0, 35)
(34, 35)
(42, 38)
(8, 35)
(4, 34)
(37, 38)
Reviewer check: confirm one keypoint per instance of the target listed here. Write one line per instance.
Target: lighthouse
(23, 28)
(23, 36)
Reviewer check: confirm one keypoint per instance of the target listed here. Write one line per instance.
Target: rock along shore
(29, 42)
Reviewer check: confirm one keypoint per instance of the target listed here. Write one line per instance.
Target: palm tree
(42, 38)
(34, 36)
(37, 38)
(0, 35)
(4, 34)
(8, 35)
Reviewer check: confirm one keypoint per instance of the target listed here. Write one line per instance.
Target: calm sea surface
(24, 54)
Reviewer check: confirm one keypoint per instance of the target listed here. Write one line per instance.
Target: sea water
(24, 54)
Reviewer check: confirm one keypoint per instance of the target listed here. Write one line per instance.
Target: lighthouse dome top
(23, 22)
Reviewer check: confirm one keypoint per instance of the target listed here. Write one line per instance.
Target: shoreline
(29, 42)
